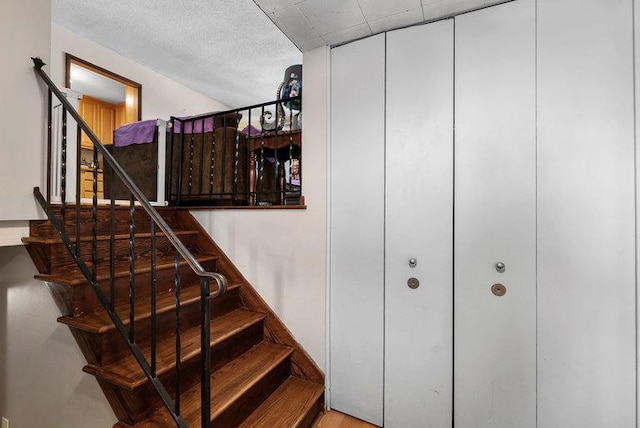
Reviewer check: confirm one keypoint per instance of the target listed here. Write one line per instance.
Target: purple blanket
(195, 126)
(135, 133)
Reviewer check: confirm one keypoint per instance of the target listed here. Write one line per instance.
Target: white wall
(41, 378)
(282, 252)
(161, 96)
(25, 32)
(636, 25)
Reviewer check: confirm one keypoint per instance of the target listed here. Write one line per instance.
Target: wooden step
(44, 228)
(53, 256)
(237, 389)
(78, 297)
(295, 404)
(127, 373)
(102, 343)
(55, 240)
(99, 322)
(142, 265)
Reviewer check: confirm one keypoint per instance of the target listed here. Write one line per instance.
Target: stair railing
(211, 162)
(137, 198)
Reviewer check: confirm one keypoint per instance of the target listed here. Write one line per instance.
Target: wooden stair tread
(227, 385)
(287, 406)
(127, 373)
(143, 265)
(99, 322)
(231, 381)
(118, 236)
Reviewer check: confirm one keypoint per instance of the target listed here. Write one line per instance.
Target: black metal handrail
(137, 197)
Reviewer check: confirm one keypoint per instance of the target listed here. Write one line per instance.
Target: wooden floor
(333, 419)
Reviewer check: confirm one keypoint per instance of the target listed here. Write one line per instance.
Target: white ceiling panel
(404, 19)
(272, 6)
(308, 45)
(294, 24)
(353, 33)
(375, 9)
(435, 10)
(329, 16)
(340, 21)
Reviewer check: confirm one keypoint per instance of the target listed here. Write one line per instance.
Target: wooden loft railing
(243, 157)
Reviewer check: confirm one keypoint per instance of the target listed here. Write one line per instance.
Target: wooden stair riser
(44, 229)
(57, 257)
(233, 416)
(312, 414)
(295, 404)
(101, 349)
(78, 299)
(140, 402)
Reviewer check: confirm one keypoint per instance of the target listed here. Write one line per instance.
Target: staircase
(260, 376)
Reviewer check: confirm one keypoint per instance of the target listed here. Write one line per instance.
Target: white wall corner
(636, 58)
(12, 232)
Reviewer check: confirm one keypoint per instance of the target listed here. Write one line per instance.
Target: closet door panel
(419, 224)
(494, 218)
(586, 235)
(357, 228)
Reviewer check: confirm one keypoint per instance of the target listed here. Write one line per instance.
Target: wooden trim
(247, 207)
(69, 59)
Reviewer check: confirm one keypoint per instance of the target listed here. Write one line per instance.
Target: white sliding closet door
(495, 218)
(419, 225)
(586, 234)
(357, 229)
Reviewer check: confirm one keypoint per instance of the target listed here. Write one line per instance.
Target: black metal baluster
(236, 157)
(290, 143)
(276, 180)
(78, 176)
(191, 140)
(223, 170)
(132, 269)
(205, 351)
(63, 167)
(49, 143)
(180, 160)
(112, 241)
(262, 159)
(154, 289)
(284, 190)
(247, 175)
(177, 331)
(94, 217)
(171, 167)
(213, 158)
(201, 172)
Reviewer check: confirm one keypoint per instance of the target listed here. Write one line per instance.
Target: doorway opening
(108, 102)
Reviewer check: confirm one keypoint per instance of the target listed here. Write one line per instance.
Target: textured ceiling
(236, 51)
(228, 50)
(313, 23)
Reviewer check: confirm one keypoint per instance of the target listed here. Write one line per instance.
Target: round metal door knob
(498, 290)
(413, 283)
(413, 262)
(500, 267)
